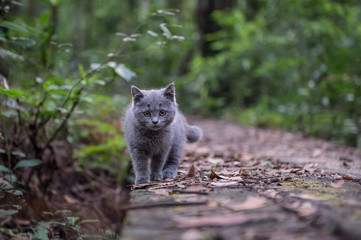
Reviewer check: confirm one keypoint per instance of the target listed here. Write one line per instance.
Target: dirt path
(249, 183)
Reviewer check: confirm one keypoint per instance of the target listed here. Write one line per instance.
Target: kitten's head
(154, 109)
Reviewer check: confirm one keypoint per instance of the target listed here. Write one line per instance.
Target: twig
(37, 110)
(161, 204)
(75, 103)
(31, 137)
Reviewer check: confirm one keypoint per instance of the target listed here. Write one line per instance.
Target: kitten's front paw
(142, 180)
(156, 177)
(168, 174)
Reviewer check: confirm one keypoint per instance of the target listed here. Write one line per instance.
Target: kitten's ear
(137, 94)
(169, 92)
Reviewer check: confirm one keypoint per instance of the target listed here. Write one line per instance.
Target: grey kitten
(155, 129)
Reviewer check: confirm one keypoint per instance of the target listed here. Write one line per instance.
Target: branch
(60, 127)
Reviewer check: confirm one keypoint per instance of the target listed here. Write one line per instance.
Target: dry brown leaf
(251, 202)
(337, 177)
(69, 199)
(338, 184)
(22, 221)
(311, 168)
(191, 172)
(214, 175)
(295, 170)
(141, 186)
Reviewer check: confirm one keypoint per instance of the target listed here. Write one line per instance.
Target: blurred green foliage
(289, 64)
(284, 64)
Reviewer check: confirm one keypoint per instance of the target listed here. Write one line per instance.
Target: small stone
(245, 172)
(337, 177)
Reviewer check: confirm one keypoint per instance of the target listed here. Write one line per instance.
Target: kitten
(155, 129)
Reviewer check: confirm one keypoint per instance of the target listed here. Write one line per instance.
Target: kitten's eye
(162, 113)
(147, 114)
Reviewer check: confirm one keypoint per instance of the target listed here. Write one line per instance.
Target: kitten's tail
(193, 133)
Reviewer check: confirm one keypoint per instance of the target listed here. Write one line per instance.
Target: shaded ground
(247, 183)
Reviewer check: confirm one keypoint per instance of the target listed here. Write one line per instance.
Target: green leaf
(9, 54)
(4, 169)
(10, 93)
(62, 211)
(24, 42)
(124, 72)
(153, 34)
(13, 26)
(17, 193)
(54, 2)
(166, 31)
(72, 221)
(82, 72)
(27, 163)
(4, 213)
(19, 154)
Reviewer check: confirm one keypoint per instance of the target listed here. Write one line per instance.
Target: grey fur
(151, 134)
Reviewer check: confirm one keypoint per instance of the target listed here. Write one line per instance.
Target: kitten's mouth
(154, 128)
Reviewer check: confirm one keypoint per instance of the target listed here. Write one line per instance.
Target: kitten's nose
(155, 121)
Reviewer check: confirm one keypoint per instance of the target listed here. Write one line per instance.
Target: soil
(250, 183)
(237, 183)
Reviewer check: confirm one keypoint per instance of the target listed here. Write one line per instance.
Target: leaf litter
(223, 172)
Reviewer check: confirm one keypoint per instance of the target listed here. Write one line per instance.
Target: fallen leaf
(295, 170)
(141, 186)
(214, 175)
(22, 221)
(191, 172)
(251, 202)
(69, 199)
(337, 177)
(338, 184)
(311, 168)
(168, 179)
